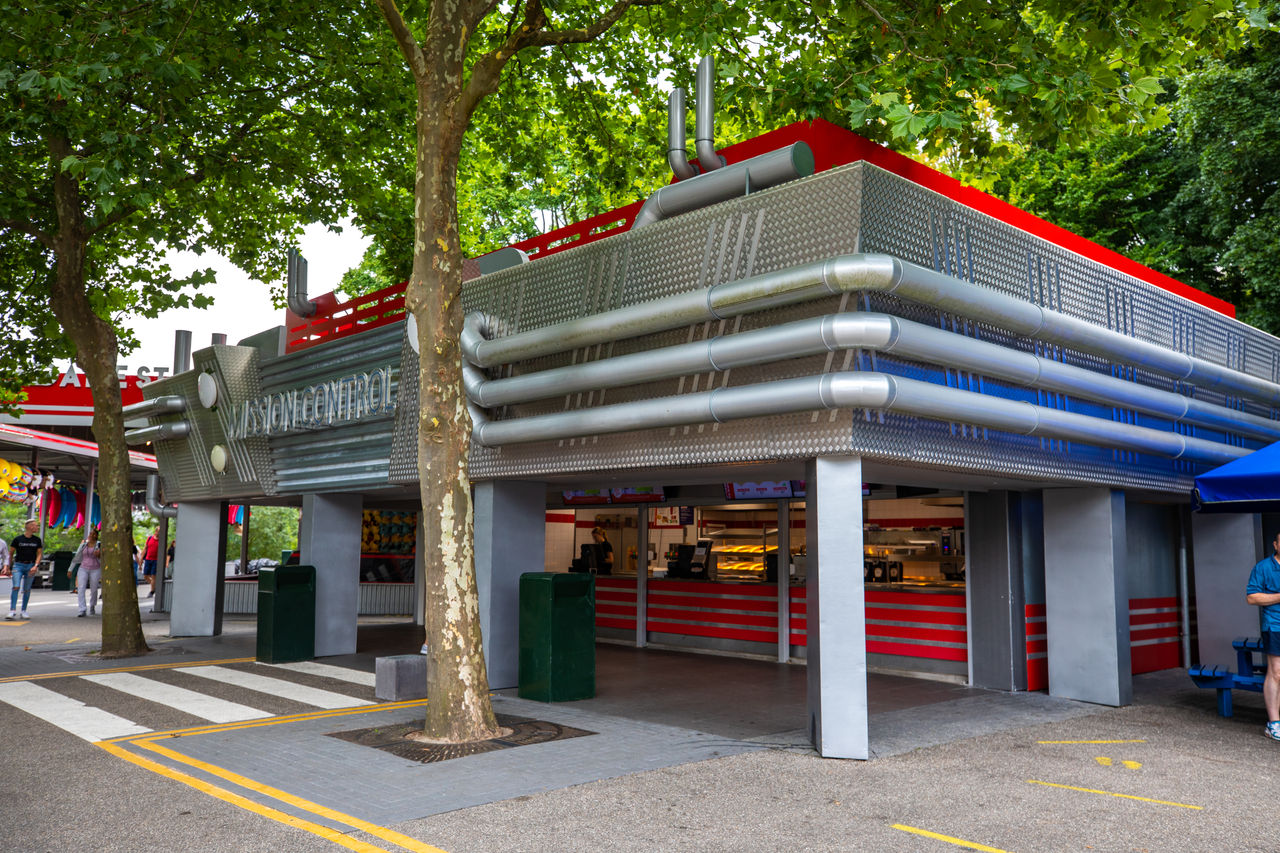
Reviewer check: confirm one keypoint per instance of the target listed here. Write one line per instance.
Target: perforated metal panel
(854, 208)
(185, 469)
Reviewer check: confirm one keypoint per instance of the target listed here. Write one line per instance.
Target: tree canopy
(1196, 199)
(131, 130)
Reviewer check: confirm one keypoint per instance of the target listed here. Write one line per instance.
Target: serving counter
(910, 627)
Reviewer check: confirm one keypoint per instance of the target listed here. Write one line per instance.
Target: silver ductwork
(860, 390)
(296, 285)
(677, 156)
(159, 432)
(154, 506)
(717, 182)
(704, 129)
(852, 273)
(758, 173)
(169, 404)
(877, 332)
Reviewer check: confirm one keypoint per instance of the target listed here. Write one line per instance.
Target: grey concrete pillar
(997, 606)
(835, 612)
(196, 610)
(330, 540)
(784, 581)
(510, 534)
(1224, 549)
(1087, 595)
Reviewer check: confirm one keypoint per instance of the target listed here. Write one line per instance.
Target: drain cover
(395, 739)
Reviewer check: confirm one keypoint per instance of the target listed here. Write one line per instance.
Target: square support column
(836, 608)
(330, 541)
(1224, 548)
(997, 605)
(198, 557)
(510, 536)
(1087, 595)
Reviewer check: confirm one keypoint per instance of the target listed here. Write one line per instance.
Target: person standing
(1263, 591)
(150, 553)
(90, 572)
(25, 553)
(606, 551)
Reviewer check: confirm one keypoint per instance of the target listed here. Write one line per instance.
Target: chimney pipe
(704, 133)
(676, 154)
(296, 287)
(181, 351)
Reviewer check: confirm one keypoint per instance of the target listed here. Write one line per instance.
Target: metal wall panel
(850, 209)
(185, 469)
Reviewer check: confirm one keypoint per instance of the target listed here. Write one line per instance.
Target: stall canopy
(1248, 484)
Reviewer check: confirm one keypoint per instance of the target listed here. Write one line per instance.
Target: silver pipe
(219, 339)
(154, 506)
(850, 391)
(166, 405)
(851, 273)
(879, 332)
(704, 130)
(181, 351)
(296, 285)
(748, 176)
(159, 432)
(677, 156)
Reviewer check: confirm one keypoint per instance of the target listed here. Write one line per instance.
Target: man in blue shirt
(1264, 591)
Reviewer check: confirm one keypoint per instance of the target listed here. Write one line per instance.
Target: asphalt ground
(1165, 773)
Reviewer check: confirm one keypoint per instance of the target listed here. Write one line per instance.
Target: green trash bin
(60, 578)
(557, 636)
(286, 614)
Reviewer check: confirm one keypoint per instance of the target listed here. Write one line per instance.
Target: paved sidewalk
(967, 765)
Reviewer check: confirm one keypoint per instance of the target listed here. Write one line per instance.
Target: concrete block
(400, 677)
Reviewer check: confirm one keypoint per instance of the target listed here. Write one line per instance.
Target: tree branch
(404, 38)
(28, 229)
(533, 33)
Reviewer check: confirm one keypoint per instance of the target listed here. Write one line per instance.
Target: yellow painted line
(1091, 741)
(72, 640)
(959, 842)
(324, 832)
(404, 841)
(1114, 794)
(1103, 760)
(275, 721)
(8, 624)
(139, 668)
(1132, 765)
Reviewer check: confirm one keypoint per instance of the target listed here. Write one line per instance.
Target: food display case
(933, 555)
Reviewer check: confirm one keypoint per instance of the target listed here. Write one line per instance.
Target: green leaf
(1149, 85)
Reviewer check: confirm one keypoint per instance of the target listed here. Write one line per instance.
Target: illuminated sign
(337, 402)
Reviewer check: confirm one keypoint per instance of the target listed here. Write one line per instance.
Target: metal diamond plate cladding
(855, 208)
(185, 469)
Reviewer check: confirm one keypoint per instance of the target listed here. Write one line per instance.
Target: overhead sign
(336, 402)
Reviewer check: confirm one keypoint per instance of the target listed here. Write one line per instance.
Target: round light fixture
(218, 458)
(207, 389)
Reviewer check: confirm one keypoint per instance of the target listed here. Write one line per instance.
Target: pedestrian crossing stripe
(275, 687)
(328, 670)
(191, 702)
(83, 721)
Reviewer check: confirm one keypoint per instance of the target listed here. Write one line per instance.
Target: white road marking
(328, 670)
(275, 687)
(209, 708)
(84, 721)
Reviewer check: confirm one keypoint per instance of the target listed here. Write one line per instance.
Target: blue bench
(1248, 675)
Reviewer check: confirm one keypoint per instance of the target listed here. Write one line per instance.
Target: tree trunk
(96, 347)
(458, 706)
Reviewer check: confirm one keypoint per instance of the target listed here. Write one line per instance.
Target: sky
(241, 306)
